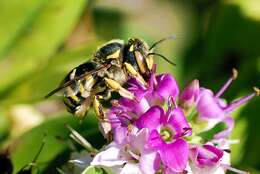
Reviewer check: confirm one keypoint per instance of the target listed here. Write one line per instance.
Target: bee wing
(71, 82)
(61, 91)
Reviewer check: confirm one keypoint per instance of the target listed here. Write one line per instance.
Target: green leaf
(95, 170)
(48, 31)
(209, 134)
(15, 17)
(27, 146)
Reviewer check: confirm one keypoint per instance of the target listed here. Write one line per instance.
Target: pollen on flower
(257, 90)
(234, 73)
(166, 135)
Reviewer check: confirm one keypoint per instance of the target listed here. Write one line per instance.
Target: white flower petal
(109, 157)
(147, 162)
(131, 168)
(219, 170)
(139, 140)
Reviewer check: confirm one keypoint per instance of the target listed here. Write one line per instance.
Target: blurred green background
(40, 41)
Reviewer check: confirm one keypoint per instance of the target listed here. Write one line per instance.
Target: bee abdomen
(73, 102)
(79, 91)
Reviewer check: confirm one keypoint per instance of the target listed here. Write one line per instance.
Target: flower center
(166, 134)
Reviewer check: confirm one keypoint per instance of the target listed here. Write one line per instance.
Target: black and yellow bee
(111, 66)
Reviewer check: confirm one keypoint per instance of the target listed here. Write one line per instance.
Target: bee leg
(81, 110)
(133, 72)
(98, 108)
(112, 84)
(104, 124)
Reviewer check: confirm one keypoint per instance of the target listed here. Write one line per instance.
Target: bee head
(138, 45)
(143, 54)
(138, 56)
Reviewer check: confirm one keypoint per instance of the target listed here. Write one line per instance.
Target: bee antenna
(162, 40)
(164, 58)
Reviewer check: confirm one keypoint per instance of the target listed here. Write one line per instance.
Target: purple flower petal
(154, 98)
(120, 135)
(175, 155)
(113, 118)
(167, 170)
(190, 94)
(179, 122)
(167, 86)
(208, 106)
(206, 156)
(155, 141)
(137, 88)
(218, 153)
(151, 118)
(135, 107)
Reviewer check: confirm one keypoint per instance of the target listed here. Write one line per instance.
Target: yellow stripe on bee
(149, 61)
(113, 84)
(97, 107)
(90, 81)
(114, 55)
(81, 88)
(117, 87)
(140, 61)
(131, 69)
(131, 48)
(71, 94)
(75, 98)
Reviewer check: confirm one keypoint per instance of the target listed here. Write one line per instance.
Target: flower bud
(205, 159)
(189, 95)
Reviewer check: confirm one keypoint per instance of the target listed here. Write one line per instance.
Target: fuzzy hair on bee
(107, 71)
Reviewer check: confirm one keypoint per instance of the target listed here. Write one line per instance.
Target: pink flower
(165, 136)
(214, 109)
(125, 111)
(210, 159)
(211, 106)
(205, 158)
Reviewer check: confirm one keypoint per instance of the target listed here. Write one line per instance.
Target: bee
(110, 67)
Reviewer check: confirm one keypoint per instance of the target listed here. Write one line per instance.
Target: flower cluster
(170, 132)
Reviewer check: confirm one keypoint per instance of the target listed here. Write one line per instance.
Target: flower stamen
(228, 167)
(166, 135)
(227, 150)
(242, 100)
(228, 83)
